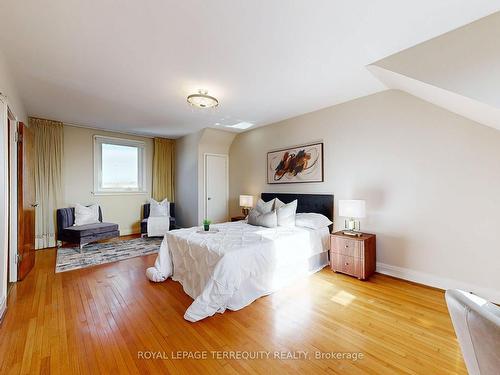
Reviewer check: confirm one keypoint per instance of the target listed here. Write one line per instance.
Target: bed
(239, 263)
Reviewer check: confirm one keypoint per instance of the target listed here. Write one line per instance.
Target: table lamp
(352, 209)
(246, 202)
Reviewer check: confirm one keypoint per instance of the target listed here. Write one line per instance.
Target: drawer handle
(346, 264)
(346, 246)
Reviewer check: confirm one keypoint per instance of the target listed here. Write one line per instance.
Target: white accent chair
(477, 325)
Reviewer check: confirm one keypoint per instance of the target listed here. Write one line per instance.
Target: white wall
(430, 179)
(78, 179)
(189, 190)
(7, 88)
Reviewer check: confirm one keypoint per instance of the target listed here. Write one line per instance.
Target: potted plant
(206, 225)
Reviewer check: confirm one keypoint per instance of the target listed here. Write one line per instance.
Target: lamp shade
(246, 200)
(353, 208)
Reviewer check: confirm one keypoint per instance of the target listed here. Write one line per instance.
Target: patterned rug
(99, 253)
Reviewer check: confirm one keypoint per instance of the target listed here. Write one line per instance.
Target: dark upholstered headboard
(318, 203)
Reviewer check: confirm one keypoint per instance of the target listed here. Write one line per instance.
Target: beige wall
(464, 61)
(430, 179)
(7, 88)
(213, 141)
(190, 151)
(78, 179)
(186, 179)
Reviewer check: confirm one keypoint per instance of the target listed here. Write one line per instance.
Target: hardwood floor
(109, 319)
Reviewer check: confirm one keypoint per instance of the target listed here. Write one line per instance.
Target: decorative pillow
(278, 203)
(268, 220)
(86, 215)
(312, 220)
(264, 207)
(159, 209)
(286, 213)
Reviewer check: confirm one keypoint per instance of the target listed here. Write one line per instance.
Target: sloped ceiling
(459, 71)
(129, 65)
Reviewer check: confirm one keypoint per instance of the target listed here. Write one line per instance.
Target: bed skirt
(253, 288)
(318, 262)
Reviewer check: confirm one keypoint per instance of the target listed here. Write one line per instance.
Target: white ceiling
(129, 65)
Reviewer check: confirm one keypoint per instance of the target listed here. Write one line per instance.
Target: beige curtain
(48, 136)
(164, 169)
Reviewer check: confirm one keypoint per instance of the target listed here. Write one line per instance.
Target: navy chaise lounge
(83, 234)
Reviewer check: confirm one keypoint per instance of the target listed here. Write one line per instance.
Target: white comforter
(235, 266)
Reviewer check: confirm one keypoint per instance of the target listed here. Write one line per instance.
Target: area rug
(99, 253)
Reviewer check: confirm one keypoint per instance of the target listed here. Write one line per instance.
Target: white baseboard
(492, 295)
(3, 307)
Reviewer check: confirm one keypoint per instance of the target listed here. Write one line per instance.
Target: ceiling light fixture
(202, 100)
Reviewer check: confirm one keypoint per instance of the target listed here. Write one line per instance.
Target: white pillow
(278, 203)
(268, 219)
(86, 215)
(312, 220)
(159, 209)
(286, 213)
(264, 207)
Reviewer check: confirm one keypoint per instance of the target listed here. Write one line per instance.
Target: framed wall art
(296, 164)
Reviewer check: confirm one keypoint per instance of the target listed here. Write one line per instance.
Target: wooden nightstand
(355, 256)
(237, 218)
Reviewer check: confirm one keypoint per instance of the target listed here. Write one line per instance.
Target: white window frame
(98, 142)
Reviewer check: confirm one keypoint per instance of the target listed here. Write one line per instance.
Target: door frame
(205, 156)
(13, 235)
(4, 240)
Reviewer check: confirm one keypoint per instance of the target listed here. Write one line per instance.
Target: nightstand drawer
(347, 247)
(353, 256)
(346, 264)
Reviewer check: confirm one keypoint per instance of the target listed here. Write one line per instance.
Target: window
(119, 166)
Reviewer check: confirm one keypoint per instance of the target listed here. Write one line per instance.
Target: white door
(216, 188)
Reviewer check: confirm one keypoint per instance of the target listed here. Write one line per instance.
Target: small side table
(237, 218)
(355, 256)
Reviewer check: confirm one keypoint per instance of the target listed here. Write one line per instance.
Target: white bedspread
(235, 266)
(158, 226)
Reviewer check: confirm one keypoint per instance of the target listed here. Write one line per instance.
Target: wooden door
(216, 182)
(25, 201)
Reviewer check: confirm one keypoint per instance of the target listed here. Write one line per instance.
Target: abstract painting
(295, 164)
